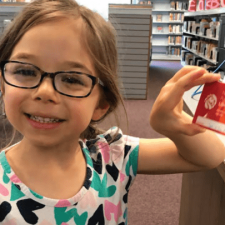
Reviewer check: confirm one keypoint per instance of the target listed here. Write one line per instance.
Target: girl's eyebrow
(70, 64)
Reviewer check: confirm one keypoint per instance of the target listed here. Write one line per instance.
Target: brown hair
(100, 38)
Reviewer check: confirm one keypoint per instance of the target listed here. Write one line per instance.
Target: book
(184, 6)
(170, 29)
(172, 5)
(174, 51)
(178, 40)
(159, 29)
(175, 16)
(178, 5)
(171, 40)
(159, 18)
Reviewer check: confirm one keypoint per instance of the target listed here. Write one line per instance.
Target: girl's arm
(188, 147)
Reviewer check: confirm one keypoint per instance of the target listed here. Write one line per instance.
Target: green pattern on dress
(101, 186)
(62, 216)
(15, 193)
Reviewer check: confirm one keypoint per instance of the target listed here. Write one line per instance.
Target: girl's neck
(44, 170)
(60, 157)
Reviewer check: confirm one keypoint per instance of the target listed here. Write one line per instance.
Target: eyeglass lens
(28, 76)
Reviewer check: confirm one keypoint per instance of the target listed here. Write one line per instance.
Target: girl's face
(53, 46)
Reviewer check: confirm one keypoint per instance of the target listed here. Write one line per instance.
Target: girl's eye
(73, 80)
(25, 72)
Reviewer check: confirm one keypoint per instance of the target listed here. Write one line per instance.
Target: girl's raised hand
(167, 116)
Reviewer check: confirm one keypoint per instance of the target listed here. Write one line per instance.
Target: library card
(210, 112)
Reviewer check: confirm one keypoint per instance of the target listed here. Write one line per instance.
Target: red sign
(201, 4)
(192, 6)
(212, 4)
(222, 3)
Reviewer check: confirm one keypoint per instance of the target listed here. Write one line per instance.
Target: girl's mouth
(43, 119)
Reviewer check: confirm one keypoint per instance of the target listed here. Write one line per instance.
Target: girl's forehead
(61, 34)
(55, 41)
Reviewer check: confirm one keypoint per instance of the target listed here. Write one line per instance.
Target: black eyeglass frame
(95, 80)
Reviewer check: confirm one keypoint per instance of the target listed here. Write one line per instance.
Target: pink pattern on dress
(105, 151)
(114, 209)
(117, 153)
(15, 179)
(129, 139)
(88, 200)
(63, 203)
(3, 190)
(10, 222)
(122, 177)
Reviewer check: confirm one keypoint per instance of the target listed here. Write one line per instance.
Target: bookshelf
(204, 185)
(204, 30)
(167, 29)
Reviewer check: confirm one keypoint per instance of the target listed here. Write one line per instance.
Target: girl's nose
(45, 92)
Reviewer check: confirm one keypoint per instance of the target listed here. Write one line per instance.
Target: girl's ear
(100, 110)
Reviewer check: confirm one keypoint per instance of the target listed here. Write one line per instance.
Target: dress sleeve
(123, 152)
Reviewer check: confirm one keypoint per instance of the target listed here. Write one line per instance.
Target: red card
(210, 112)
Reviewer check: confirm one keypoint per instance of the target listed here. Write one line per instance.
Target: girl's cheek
(12, 99)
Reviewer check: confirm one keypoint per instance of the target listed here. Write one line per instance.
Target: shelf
(156, 56)
(12, 3)
(11, 7)
(206, 12)
(209, 60)
(164, 10)
(167, 34)
(210, 38)
(166, 22)
(159, 45)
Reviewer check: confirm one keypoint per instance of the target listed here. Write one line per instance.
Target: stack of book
(178, 5)
(176, 29)
(176, 17)
(174, 51)
(174, 40)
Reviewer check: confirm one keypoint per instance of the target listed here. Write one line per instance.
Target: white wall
(101, 6)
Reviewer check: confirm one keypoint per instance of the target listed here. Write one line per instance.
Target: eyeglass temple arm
(101, 83)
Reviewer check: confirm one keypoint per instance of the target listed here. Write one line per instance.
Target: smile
(43, 120)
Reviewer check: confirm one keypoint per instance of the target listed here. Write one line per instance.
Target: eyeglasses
(27, 76)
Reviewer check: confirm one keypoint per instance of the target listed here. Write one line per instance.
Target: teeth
(44, 120)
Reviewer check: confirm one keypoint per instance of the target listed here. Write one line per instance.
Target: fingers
(196, 77)
(174, 91)
(186, 70)
(194, 72)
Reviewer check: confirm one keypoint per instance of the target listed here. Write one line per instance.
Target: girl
(58, 77)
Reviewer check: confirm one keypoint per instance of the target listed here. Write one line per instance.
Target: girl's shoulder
(113, 147)
(112, 138)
